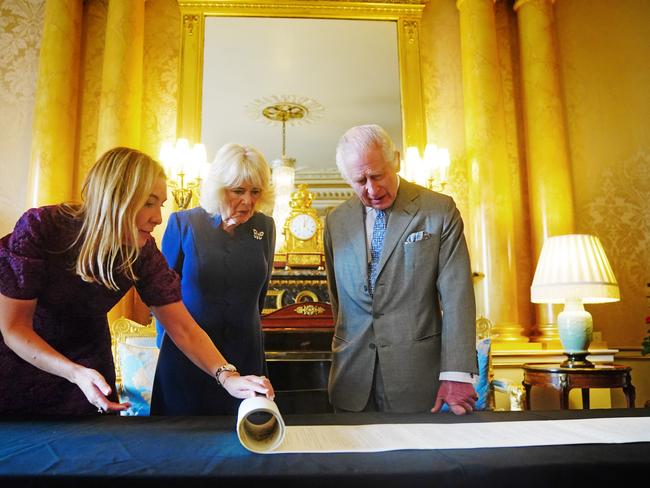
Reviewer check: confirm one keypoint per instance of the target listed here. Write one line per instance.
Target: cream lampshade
(573, 269)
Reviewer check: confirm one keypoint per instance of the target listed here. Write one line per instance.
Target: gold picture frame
(407, 14)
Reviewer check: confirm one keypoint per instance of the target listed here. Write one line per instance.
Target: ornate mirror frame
(407, 14)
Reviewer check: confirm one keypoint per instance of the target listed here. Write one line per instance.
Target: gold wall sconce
(429, 171)
(185, 167)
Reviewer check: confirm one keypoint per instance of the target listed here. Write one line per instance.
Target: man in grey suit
(396, 260)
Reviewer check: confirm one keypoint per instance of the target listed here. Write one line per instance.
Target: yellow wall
(603, 49)
(21, 26)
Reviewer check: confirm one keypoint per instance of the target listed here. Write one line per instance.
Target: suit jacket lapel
(403, 211)
(355, 232)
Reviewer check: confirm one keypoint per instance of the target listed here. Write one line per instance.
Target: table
(193, 452)
(564, 379)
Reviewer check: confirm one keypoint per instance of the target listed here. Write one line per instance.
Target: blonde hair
(361, 138)
(233, 166)
(115, 189)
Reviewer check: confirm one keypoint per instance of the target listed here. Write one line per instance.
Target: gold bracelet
(221, 369)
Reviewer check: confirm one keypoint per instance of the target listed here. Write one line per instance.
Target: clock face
(303, 226)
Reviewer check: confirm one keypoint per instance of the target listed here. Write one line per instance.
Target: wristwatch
(221, 369)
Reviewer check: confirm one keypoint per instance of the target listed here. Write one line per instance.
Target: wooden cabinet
(297, 341)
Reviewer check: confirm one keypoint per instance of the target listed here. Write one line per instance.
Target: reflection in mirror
(350, 68)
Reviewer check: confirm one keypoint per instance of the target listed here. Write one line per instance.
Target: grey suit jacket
(424, 270)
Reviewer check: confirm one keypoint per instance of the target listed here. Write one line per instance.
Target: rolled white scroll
(260, 426)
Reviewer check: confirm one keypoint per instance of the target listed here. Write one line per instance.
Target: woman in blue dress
(223, 251)
(65, 266)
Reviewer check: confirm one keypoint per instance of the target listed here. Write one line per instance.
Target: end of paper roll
(260, 426)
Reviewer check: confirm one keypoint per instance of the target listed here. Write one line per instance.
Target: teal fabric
(483, 386)
(138, 365)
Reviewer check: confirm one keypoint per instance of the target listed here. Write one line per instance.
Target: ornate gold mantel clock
(303, 232)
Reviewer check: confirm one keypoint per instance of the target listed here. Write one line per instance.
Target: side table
(564, 379)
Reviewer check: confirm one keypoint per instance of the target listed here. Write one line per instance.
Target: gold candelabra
(183, 192)
(184, 167)
(429, 171)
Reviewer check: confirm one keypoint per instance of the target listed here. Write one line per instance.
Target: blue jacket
(224, 280)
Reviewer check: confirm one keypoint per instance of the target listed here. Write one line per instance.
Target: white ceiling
(349, 67)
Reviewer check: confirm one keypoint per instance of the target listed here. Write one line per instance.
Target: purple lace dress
(70, 313)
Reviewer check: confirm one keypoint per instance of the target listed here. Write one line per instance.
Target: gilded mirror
(400, 22)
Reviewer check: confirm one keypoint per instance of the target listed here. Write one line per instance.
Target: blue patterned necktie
(376, 245)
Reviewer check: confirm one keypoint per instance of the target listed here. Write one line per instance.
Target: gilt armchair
(487, 384)
(135, 355)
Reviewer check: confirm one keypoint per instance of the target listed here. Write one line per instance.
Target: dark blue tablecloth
(205, 451)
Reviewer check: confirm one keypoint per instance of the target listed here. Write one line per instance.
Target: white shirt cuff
(459, 376)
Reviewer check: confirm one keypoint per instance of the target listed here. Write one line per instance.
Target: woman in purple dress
(65, 266)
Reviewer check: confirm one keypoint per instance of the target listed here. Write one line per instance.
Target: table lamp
(573, 269)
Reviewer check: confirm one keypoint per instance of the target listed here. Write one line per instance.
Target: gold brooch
(258, 234)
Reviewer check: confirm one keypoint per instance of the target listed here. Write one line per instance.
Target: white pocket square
(418, 236)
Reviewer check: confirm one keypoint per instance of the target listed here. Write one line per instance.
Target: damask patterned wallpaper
(21, 23)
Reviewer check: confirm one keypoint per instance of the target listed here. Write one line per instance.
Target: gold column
(52, 162)
(120, 104)
(492, 232)
(549, 177)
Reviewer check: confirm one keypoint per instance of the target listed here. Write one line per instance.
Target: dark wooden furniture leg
(585, 398)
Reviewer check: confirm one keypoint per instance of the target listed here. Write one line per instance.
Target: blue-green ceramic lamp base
(575, 327)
